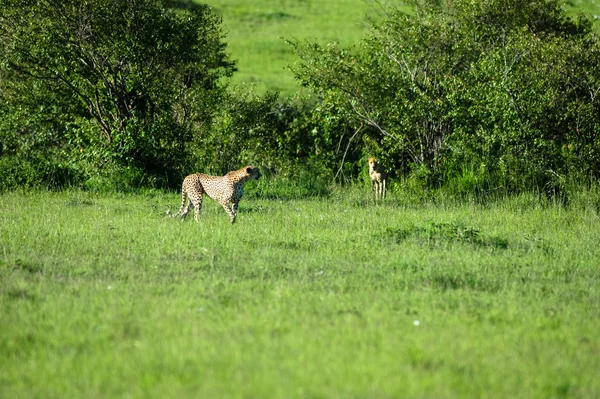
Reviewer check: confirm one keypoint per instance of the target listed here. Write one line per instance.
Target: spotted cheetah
(378, 178)
(226, 190)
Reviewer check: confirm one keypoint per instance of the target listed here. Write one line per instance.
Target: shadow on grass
(469, 281)
(27, 266)
(186, 5)
(436, 234)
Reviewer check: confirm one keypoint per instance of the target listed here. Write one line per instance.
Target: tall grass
(103, 296)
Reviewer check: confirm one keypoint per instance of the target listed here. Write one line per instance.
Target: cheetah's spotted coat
(226, 190)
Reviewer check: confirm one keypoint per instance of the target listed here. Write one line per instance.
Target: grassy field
(103, 296)
(256, 31)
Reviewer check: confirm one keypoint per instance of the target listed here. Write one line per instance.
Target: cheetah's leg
(374, 188)
(196, 199)
(230, 212)
(383, 191)
(234, 208)
(187, 210)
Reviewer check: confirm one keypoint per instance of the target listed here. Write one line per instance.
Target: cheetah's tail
(181, 208)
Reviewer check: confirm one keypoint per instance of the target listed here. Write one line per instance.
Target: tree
(142, 71)
(507, 87)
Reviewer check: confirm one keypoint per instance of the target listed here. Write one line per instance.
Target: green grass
(590, 7)
(255, 33)
(104, 296)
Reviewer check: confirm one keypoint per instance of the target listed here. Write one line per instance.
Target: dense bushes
(485, 97)
(500, 95)
(285, 136)
(132, 94)
(110, 83)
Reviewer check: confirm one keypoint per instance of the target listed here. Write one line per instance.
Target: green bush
(489, 96)
(112, 82)
(21, 172)
(122, 179)
(281, 135)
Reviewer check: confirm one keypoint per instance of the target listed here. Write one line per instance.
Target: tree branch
(346, 152)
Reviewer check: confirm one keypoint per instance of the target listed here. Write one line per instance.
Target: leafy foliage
(477, 96)
(141, 72)
(286, 136)
(504, 89)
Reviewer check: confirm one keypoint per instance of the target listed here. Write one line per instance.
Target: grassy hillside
(256, 30)
(590, 7)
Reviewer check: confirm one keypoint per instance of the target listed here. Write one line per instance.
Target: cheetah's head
(253, 172)
(372, 162)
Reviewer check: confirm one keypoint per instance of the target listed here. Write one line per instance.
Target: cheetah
(378, 178)
(226, 190)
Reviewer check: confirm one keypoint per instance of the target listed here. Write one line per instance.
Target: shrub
(491, 95)
(142, 73)
(22, 172)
